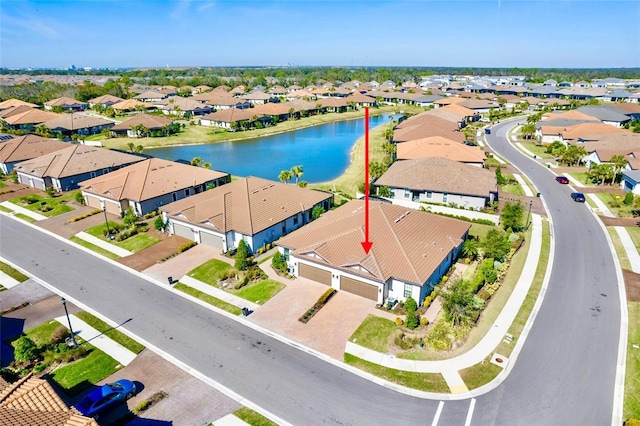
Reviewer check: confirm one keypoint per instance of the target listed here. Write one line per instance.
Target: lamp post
(529, 214)
(106, 221)
(73, 336)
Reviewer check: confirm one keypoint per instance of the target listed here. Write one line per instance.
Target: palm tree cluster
(296, 171)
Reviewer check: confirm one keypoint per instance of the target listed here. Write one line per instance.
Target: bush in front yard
(60, 334)
(241, 257)
(279, 263)
(159, 224)
(79, 198)
(25, 350)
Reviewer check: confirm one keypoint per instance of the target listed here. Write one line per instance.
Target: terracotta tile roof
(441, 175)
(568, 115)
(148, 121)
(64, 101)
(438, 146)
(359, 98)
(185, 104)
(332, 102)
(218, 97)
(105, 99)
(449, 100)
(407, 244)
(150, 94)
(257, 96)
(33, 401)
(75, 160)
(620, 143)
(149, 179)
(625, 107)
(76, 121)
(474, 104)
(458, 110)
(32, 116)
(17, 109)
(15, 102)
(423, 126)
(300, 94)
(248, 205)
(231, 115)
(590, 129)
(301, 105)
(26, 147)
(271, 109)
(130, 105)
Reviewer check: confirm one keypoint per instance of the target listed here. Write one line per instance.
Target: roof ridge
(246, 185)
(144, 180)
(404, 253)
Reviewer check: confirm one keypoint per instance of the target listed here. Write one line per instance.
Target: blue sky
(157, 33)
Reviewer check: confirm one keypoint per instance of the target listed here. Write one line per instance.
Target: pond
(323, 151)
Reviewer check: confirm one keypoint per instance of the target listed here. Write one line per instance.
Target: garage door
(183, 231)
(357, 287)
(211, 240)
(315, 274)
(112, 208)
(94, 202)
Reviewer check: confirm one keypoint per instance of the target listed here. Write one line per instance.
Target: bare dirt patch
(632, 285)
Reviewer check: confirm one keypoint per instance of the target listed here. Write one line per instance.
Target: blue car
(106, 397)
(578, 197)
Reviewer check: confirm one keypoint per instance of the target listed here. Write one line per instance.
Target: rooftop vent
(405, 214)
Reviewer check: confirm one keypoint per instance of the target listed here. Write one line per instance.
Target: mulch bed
(152, 255)
(632, 285)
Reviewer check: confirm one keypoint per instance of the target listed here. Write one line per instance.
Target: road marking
(438, 412)
(472, 405)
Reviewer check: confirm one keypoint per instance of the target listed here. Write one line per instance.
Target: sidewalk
(7, 281)
(17, 209)
(89, 334)
(218, 294)
(449, 368)
(103, 244)
(525, 187)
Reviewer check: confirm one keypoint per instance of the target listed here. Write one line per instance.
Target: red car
(562, 179)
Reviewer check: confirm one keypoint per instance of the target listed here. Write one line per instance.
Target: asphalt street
(564, 375)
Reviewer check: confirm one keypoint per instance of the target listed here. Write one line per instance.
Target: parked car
(578, 197)
(106, 397)
(562, 179)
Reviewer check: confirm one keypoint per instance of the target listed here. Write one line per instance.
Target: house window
(174, 196)
(393, 192)
(407, 193)
(286, 254)
(429, 194)
(92, 174)
(407, 290)
(284, 227)
(295, 220)
(444, 197)
(187, 192)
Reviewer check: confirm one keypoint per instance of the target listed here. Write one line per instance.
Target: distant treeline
(40, 92)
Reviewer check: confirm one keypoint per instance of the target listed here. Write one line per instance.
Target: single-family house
(150, 96)
(332, 104)
(64, 169)
(631, 181)
(424, 126)
(104, 101)
(256, 210)
(630, 109)
(13, 102)
(231, 118)
(25, 118)
(602, 150)
(130, 105)
(607, 114)
(65, 103)
(177, 105)
(21, 148)
(361, 100)
(440, 180)
(219, 99)
(259, 98)
(438, 146)
(129, 127)
(78, 123)
(411, 250)
(147, 185)
(300, 94)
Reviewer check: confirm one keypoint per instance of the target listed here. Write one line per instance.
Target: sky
(160, 33)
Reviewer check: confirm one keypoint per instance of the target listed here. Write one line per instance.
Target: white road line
(472, 405)
(438, 412)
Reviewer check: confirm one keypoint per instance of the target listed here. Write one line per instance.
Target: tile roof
(407, 244)
(76, 121)
(150, 94)
(359, 98)
(438, 146)
(64, 101)
(105, 99)
(26, 147)
(15, 102)
(185, 104)
(148, 121)
(628, 107)
(605, 113)
(248, 205)
(129, 105)
(332, 102)
(148, 179)
(271, 109)
(583, 130)
(441, 175)
(75, 160)
(30, 116)
(231, 115)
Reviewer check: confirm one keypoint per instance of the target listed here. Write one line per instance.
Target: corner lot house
(256, 210)
(440, 180)
(411, 250)
(65, 169)
(22, 148)
(148, 185)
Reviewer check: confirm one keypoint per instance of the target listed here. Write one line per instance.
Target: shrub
(50, 191)
(75, 354)
(424, 321)
(403, 342)
(186, 246)
(279, 263)
(412, 320)
(241, 283)
(632, 422)
(324, 298)
(241, 256)
(628, 198)
(399, 321)
(427, 301)
(483, 294)
(130, 218)
(86, 215)
(25, 350)
(254, 273)
(79, 198)
(60, 334)
(40, 367)
(127, 233)
(410, 304)
(439, 338)
(159, 224)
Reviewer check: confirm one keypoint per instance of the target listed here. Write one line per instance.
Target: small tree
(458, 303)
(512, 215)
(500, 179)
(384, 191)
(242, 254)
(279, 263)
(628, 198)
(470, 248)
(50, 191)
(317, 212)
(129, 219)
(80, 198)
(495, 244)
(410, 307)
(159, 224)
(25, 350)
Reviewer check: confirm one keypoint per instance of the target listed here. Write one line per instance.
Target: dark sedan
(105, 397)
(562, 179)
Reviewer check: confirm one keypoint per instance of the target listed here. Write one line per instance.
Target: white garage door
(211, 240)
(183, 231)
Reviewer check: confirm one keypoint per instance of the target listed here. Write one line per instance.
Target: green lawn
(374, 333)
(81, 374)
(137, 242)
(428, 382)
(13, 273)
(24, 217)
(511, 188)
(253, 418)
(582, 177)
(93, 247)
(110, 332)
(42, 333)
(4, 209)
(259, 292)
(221, 304)
(479, 230)
(57, 205)
(539, 151)
(632, 379)
(620, 251)
(209, 272)
(480, 374)
(634, 233)
(614, 203)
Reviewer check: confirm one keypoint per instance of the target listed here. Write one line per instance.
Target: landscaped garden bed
(322, 300)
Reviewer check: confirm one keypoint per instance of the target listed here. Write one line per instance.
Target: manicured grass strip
(538, 150)
(259, 292)
(480, 374)
(25, 217)
(513, 189)
(137, 242)
(57, 205)
(374, 333)
(479, 230)
(252, 417)
(16, 275)
(93, 247)
(221, 304)
(634, 233)
(620, 251)
(428, 382)
(5, 209)
(209, 272)
(632, 378)
(81, 374)
(111, 332)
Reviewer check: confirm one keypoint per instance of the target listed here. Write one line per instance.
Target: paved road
(565, 373)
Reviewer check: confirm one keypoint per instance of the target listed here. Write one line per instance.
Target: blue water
(323, 151)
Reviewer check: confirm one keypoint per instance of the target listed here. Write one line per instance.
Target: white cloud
(32, 24)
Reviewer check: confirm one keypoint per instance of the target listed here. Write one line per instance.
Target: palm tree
(528, 130)
(470, 249)
(297, 172)
(196, 161)
(285, 176)
(131, 146)
(619, 163)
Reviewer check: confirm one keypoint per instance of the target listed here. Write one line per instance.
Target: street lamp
(73, 336)
(106, 221)
(529, 214)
